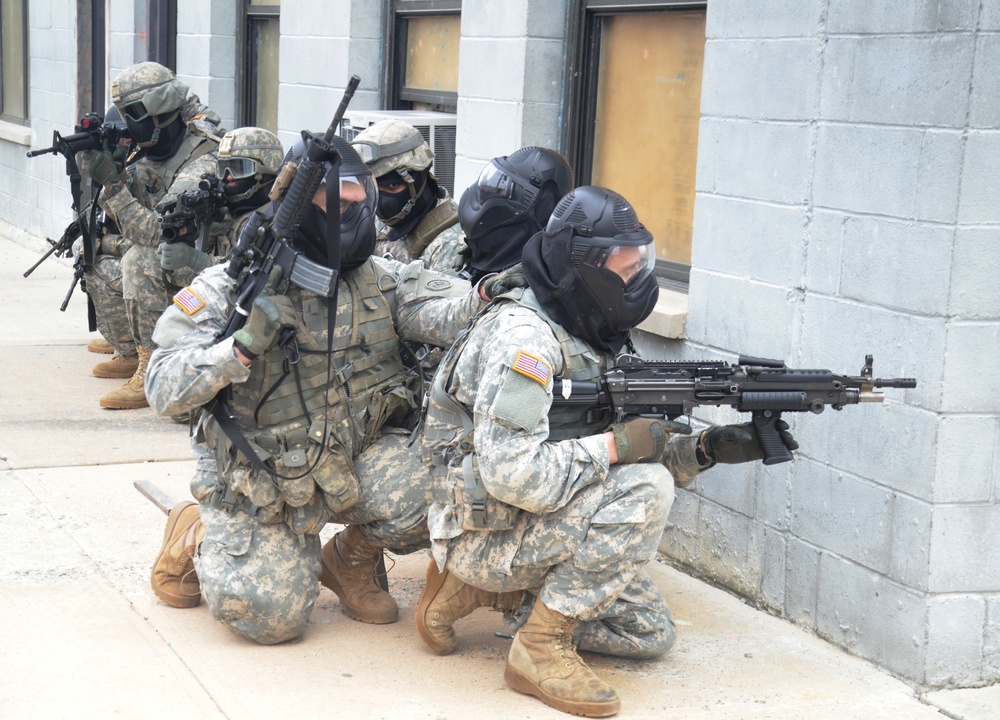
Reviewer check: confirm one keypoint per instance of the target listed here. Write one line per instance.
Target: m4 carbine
(764, 388)
(192, 212)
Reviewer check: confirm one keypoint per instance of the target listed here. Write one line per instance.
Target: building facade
(820, 176)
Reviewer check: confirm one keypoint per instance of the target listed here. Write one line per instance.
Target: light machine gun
(764, 388)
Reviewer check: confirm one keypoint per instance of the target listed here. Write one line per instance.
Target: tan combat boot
(101, 346)
(132, 394)
(348, 568)
(543, 662)
(446, 599)
(174, 579)
(120, 366)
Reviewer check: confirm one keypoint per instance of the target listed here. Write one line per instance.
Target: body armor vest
(448, 436)
(309, 413)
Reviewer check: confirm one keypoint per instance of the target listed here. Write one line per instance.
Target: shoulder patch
(189, 301)
(531, 366)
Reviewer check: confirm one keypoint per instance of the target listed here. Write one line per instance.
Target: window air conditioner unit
(438, 129)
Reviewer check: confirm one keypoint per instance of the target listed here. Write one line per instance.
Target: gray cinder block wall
(847, 205)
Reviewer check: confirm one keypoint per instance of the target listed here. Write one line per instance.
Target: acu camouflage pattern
(246, 549)
(561, 522)
(255, 143)
(444, 251)
(412, 151)
(131, 201)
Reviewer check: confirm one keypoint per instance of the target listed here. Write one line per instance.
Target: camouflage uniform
(442, 250)
(104, 286)
(525, 498)
(260, 527)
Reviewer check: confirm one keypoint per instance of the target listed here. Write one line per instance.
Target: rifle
(264, 241)
(63, 247)
(91, 133)
(193, 211)
(764, 388)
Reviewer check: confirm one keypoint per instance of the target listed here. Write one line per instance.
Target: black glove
(497, 284)
(732, 444)
(642, 439)
(270, 313)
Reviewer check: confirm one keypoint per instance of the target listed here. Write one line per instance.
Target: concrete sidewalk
(85, 638)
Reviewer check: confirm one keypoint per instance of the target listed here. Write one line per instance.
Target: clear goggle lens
(237, 168)
(494, 182)
(631, 263)
(136, 112)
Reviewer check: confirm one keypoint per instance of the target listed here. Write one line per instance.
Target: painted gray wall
(846, 205)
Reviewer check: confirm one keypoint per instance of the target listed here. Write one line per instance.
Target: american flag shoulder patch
(189, 301)
(534, 367)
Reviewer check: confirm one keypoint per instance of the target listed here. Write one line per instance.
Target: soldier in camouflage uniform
(317, 423)
(416, 217)
(543, 505)
(177, 139)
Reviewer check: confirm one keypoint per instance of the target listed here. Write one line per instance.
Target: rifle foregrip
(775, 450)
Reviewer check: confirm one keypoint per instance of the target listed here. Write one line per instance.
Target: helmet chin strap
(414, 196)
(157, 124)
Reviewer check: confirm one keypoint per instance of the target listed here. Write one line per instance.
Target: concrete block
(222, 49)
(482, 18)
(874, 169)
(762, 79)
(778, 18)
(910, 80)
(365, 61)
(193, 19)
(983, 109)
(937, 185)
(544, 71)
(774, 499)
(368, 20)
(316, 61)
(977, 201)
(910, 541)
(989, 17)
(467, 171)
(976, 256)
(955, 627)
(837, 334)
(991, 640)
(479, 78)
(540, 125)
(755, 240)
(824, 238)
(680, 537)
(733, 487)
(333, 22)
(972, 353)
(503, 120)
(897, 265)
(961, 560)
(741, 316)
(772, 550)
(547, 19)
(801, 581)
(966, 455)
(224, 15)
(871, 617)
(761, 160)
(193, 55)
(723, 549)
(901, 16)
(844, 514)
(300, 109)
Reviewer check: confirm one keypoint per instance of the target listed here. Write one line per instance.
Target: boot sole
(328, 580)
(177, 601)
(517, 680)
(434, 582)
(124, 405)
(117, 376)
(100, 350)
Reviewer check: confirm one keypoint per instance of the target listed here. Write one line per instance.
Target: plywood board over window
(432, 53)
(647, 111)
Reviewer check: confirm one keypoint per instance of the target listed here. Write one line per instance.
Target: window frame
(246, 82)
(582, 78)
(25, 69)
(401, 97)
(162, 32)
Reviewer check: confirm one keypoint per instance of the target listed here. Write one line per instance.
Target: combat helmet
(149, 96)
(249, 160)
(393, 145)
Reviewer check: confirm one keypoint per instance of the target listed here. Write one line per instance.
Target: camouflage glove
(642, 439)
(732, 444)
(174, 256)
(497, 284)
(270, 313)
(100, 166)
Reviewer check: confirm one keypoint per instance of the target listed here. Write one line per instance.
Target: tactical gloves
(642, 439)
(269, 315)
(497, 284)
(732, 444)
(174, 256)
(100, 166)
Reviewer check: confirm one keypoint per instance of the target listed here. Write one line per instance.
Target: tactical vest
(309, 413)
(433, 224)
(448, 440)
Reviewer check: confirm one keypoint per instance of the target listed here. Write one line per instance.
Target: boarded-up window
(13, 65)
